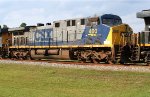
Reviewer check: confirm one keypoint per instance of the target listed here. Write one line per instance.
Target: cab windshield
(111, 21)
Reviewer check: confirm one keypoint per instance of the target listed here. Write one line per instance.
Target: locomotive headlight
(106, 42)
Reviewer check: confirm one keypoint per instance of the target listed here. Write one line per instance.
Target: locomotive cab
(107, 35)
(111, 21)
(119, 35)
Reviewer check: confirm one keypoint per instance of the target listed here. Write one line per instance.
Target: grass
(38, 81)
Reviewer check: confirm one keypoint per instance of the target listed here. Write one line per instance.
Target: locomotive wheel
(28, 57)
(96, 61)
(83, 60)
(110, 62)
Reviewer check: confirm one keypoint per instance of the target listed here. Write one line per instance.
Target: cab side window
(57, 24)
(73, 22)
(82, 21)
(68, 23)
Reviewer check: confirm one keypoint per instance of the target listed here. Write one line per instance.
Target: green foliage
(38, 81)
(5, 26)
(23, 25)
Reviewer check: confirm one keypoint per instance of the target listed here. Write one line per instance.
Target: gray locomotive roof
(143, 14)
(68, 19)
(77, 18)
(44, 27)
(16, 29)
(20, 28)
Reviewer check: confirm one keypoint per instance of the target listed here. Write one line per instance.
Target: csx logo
(92, 32)
(42, 35)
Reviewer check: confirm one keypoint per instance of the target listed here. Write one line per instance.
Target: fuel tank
(52, 54)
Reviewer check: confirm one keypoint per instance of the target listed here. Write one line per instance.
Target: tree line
(6, 27)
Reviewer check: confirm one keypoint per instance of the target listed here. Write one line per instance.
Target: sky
(14, 12)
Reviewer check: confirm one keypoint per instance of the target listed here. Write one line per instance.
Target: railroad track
(77, 65)
(76, 62)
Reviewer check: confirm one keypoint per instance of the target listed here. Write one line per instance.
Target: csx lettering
(42, 35)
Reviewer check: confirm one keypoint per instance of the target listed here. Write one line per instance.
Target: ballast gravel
(90, 67)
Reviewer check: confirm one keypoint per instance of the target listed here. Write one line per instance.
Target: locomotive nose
(120, 34)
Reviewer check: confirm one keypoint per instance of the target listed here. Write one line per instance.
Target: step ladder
(136, 53)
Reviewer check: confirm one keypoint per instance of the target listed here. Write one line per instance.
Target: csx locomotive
(91, 39)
